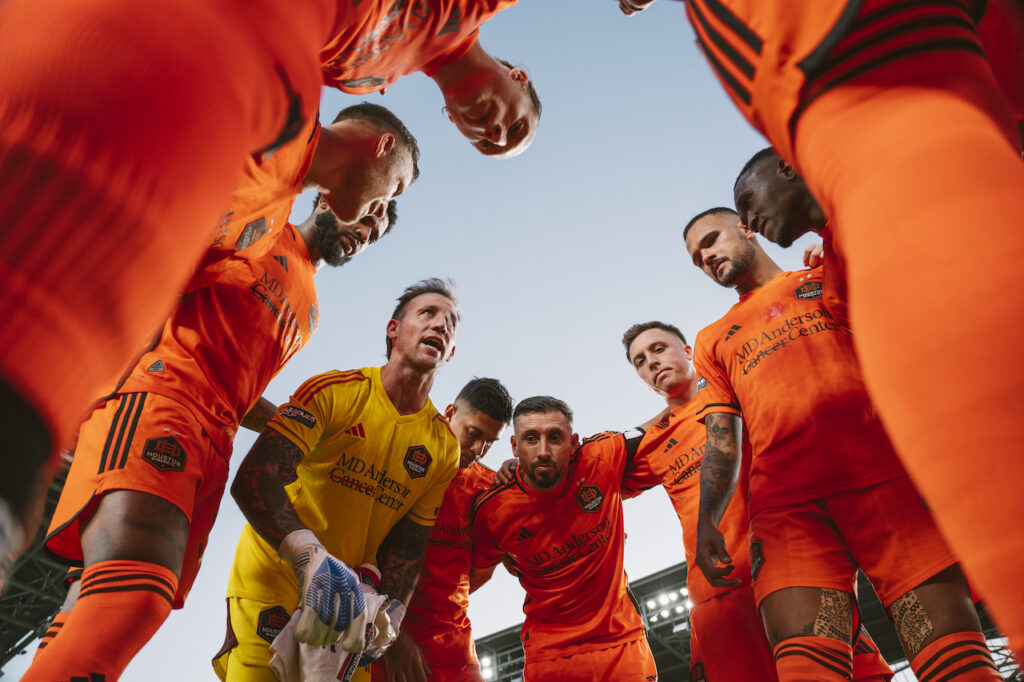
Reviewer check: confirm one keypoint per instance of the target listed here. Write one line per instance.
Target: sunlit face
(492, 108)
(774, 201)
(476, 431)
(338, 243)
(720, 248)
(425, 335)
(362, 187)
(543, 442)
(663, 361)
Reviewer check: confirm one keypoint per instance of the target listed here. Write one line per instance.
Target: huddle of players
(845, 149)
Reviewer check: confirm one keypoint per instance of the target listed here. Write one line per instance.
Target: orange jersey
(774, 58)
(262, 200)
(228, 338)
(779, 354)
(674, 449)
(377, 42)
(442, 593)
(834, 295)
(566, 545)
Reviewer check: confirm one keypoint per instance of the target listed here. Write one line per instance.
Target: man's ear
(512, 438)
(451, 354)
(519, 76)
(785, 170)
(449, 412)
(384, 144)
(689, 353)
(575, 440)
(392, 331)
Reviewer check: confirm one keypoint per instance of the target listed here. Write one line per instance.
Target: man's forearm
(262, 412)
(401, 559)
(720, 468)
(259, 487)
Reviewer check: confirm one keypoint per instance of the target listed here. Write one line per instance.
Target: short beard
(548, 481)
(739, 267)
(326, 228)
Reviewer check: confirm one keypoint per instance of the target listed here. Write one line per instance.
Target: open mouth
(435, 344)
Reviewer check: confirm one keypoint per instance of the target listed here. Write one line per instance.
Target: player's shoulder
(336, 382)
(493, 499)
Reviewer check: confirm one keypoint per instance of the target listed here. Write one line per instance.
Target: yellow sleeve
(312, 409)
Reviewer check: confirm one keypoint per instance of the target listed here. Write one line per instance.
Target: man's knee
(937, 607)
(808, 611)
(135, 526)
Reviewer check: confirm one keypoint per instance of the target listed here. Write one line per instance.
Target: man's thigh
(620, 663)
(727, 639)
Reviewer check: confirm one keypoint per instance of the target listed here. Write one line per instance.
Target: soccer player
(152, 460)
(826, 492)
(727, 640)
(436, 642)
(891, 113)
(559, 523)
(351, 470)
(121, 135)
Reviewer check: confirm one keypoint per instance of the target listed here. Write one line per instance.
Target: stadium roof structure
(665, 608)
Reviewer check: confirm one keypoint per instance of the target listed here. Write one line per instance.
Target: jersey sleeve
(309, 412)
(424, 512)
(451, 55)
(638, 475)
(714, 391)
(486, 553)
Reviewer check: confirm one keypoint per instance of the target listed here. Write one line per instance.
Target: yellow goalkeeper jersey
(365, 467)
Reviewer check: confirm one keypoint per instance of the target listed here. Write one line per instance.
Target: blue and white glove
(383, 621)
(329, 594)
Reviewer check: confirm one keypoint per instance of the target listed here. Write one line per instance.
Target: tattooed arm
(400, 558)
(719, 473)
(257, 418)
(259, 487)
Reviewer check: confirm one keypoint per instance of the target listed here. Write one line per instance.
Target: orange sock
(121, 605)
(55, 627)
(961, 656)
(813, 659)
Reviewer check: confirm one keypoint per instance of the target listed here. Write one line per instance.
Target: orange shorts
(727, 640)
(628, 662)
(151, 444)
(121, 136)
(885, 529)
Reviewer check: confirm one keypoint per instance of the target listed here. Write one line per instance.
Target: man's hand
(329, 594)
(405, 661)
(506, 472)
(814, 254)
(631, 7)
(711, 551)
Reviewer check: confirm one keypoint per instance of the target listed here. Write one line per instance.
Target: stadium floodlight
(689, 603)
(663, 599)
(651, 603)
(664, 614)
(685, 592)
(488, 673)
(680, 609)
(485, 661)
(673, 596)
(654, 618)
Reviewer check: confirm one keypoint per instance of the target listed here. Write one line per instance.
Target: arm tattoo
(912, 623)
(401, 559)
(720, 469)
(259, 487)
(257, 418)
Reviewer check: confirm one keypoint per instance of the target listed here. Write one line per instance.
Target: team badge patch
(756, 558)
(808, 291)
(697, 673)
(271, 622)
(251, 234)
(590, 498)
(164, 454)
(417, 461)
(701, 383)
(300, 415)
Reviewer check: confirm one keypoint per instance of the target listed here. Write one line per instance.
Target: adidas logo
(283, 261)
(356, 431)
(157, 366)
(732, 330)
(523, 534)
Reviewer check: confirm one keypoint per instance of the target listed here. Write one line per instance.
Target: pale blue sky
(555, 254)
